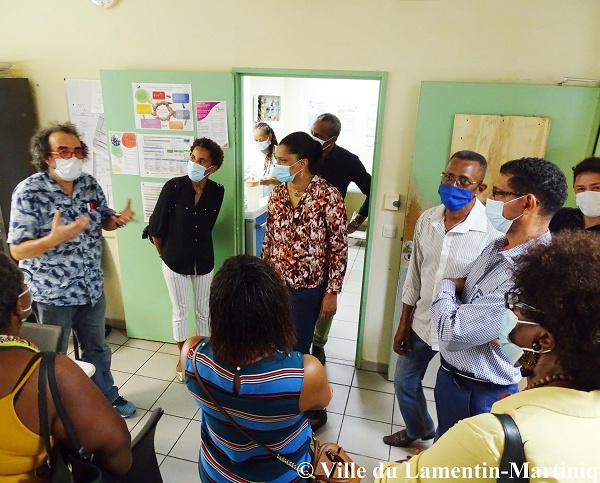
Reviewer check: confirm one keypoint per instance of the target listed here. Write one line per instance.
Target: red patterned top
(309, 243)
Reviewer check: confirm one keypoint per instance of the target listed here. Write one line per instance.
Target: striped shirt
(468, 324)
(436, 255)
(266, 405)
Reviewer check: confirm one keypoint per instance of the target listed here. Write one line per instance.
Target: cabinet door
(145, 299)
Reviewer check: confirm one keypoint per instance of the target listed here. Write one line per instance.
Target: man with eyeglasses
(468, 310)
(56, 221)
(447, 239)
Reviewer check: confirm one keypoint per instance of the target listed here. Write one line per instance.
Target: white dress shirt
(437, 255)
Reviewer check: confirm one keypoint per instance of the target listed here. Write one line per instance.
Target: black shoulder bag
(64, 465)
(513, 456)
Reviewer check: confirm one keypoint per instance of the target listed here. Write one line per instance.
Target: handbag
(330, 462)
(63, 465)
(514, 454)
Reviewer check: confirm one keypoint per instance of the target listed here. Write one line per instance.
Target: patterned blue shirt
(469, 323)
(70, 273)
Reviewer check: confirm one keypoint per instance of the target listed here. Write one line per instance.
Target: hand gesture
(61, 232)
(125, 217)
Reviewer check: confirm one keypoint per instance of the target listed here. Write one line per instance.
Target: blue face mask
(453, 197)
(494, 210)
(262, 145)
(282, 173)
(512, 351)
(196, 172)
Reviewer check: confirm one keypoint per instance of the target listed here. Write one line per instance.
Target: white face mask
(589, 203)
(494, 211)
(68, 169)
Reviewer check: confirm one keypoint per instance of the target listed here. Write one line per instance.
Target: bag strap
(283, 459)
(49, 372)
(514, 453)
(43, 410)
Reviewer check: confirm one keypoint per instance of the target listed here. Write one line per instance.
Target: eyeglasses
(65, 153)
(511, 300)
(496, 193)
(461, 181)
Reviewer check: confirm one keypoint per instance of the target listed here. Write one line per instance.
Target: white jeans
(177, 285)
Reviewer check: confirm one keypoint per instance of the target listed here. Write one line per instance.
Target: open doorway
(289, 103)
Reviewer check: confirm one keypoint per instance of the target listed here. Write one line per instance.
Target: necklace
(455, 225)
(298, 193)
(544, 381)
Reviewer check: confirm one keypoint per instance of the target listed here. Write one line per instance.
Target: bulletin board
(500, 138)
(145, 299)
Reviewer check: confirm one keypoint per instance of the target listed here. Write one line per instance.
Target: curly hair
(250, 311)
(541, 178)
(39, 147)
(305, 147)
(216, 153)
(10, 281)
(562, 280)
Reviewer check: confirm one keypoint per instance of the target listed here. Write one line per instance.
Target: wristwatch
(354, 224)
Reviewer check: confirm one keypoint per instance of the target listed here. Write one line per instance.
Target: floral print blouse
(308, 244)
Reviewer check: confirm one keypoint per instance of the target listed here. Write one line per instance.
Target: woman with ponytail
(306, 237)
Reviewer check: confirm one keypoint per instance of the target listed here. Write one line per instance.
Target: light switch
(391, 201)
(389, 231)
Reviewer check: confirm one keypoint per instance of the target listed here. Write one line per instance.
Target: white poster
(86, 111)
(150, 194)
(163, 156)
(163, 106)
(124, 153)
(212, 121)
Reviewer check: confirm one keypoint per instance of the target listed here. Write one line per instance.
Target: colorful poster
(163, 106)
(268, 108)
(212, 122)
(150, 193)
(163, 156)
(124, 153)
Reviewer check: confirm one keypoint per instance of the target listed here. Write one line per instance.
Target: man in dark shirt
(340, 168)
(586, 182)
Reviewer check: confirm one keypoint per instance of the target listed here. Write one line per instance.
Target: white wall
(528, 41)
(302, 99)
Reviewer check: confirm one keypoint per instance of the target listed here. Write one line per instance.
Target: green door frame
(239, 73)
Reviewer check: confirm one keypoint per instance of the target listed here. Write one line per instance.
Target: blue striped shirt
(468, 323)
(266, 405)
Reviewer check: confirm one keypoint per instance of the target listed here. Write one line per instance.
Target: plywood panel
(500, 139)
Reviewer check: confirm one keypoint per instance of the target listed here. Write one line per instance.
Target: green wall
(145, 299)
(574, 112)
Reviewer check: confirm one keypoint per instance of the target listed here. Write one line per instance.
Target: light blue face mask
(494, 210)
(262, 145)
(512, 351)
(196, 172)
(282, 173)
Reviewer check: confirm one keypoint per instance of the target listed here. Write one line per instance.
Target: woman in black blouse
(181, 229)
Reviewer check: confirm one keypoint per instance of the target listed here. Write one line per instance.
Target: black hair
(39, 147)
(10, 281)
(250, 311)
(305, 147)
(263, 126)
(588, 165)
(539, 177)
(336, 124)
(467, 155)
(216, 153)
(562, 280)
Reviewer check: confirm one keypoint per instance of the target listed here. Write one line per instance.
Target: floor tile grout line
(177, 441)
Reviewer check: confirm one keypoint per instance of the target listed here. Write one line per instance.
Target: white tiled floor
(362, 411)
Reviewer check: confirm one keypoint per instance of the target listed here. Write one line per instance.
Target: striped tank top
(266, 406)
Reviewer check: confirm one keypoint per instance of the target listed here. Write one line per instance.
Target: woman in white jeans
(181, 229)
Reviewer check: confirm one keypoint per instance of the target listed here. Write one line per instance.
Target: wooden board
(500, 139)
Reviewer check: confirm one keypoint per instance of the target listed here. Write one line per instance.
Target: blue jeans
(408, 378)
(458, 398)
(306, 305)
(87, 321)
